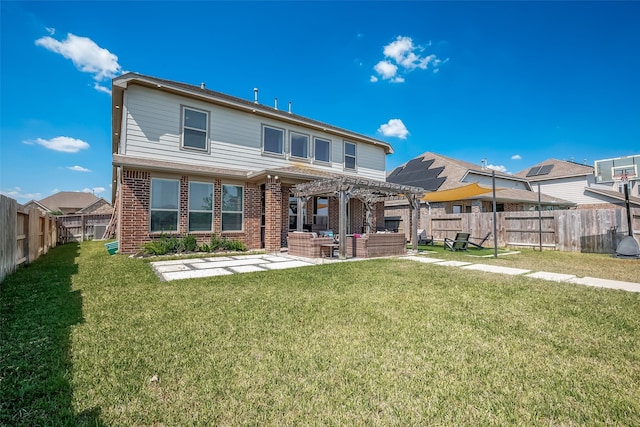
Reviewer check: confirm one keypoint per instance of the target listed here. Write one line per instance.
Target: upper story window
(349, 155)
(299, 145)
(232, 207)
(165, 196)
(272, 140)
(322, 151)
(200, 206)
(195, 129)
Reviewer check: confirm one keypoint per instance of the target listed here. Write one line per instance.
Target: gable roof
(68, 200)
(553, 169)
(616, 196)
(435, 172)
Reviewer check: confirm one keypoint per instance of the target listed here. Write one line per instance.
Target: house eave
(139, 163)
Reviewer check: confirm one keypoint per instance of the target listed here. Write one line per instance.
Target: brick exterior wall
(133, 226)
(252, 215)
(273, 215)
(134, 222)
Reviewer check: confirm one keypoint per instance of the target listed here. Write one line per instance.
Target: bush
(172, 244)
(155, 248)
(216, 243)
(189, 243)
(235, 245)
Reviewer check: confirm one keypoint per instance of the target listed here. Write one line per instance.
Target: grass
(89, 339)
(603, 266)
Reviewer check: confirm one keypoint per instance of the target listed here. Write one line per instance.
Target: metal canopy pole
(495, 216)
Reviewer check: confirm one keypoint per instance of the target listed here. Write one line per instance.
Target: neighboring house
(570, 181)
(190, 160)
(435, 172)
(597, 186)
(72, 202)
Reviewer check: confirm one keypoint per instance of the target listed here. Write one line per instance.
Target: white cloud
(403, 56)
(395, 128)
(61, 143)
(516, 157)
(498, 168)
(373, 79)
(386, 69)
(51, 31)
(101, 88)
(95, 190)
(86, 55)
(17, 194)
(77, 168)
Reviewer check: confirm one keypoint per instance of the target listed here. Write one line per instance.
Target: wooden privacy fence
(77, 228)
(576, 230)
(26, 235)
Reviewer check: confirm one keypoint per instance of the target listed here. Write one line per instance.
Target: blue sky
(514, 83)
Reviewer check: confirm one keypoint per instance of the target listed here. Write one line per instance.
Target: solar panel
(544, 170)
(540, 170)
(417, 173)
(534, 171)
(414, 165)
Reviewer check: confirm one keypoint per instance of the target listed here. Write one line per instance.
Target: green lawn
(89, 339)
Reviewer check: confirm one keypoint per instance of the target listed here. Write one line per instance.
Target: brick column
(134, 221)
(273, 215)
(252, 215)
(183, 213)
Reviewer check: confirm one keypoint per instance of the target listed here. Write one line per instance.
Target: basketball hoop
(624, 177)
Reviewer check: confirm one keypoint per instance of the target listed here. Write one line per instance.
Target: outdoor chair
(481, 239)
(424, 239)
(458, 244)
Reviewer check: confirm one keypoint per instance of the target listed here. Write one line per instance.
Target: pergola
(368, 191)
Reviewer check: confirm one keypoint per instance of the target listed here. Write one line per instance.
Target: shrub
(155, 247)
(172, 243)
(204, 248)
(189, 243)
(235, 245)
(216, 243)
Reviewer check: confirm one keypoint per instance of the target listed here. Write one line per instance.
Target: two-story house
(188, 160)
(589, 187)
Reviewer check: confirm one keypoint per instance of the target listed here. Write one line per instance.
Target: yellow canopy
(460, 193)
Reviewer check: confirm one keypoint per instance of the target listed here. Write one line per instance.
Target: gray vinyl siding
(370, 157)
(152, 125)
(572, 189)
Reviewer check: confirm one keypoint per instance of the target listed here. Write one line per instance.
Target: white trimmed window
(232, 207)
(299, 145)
(200, 206)
(165, 197)
(322, 150)
(349, 155)
(195, 129)
(272, 140)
